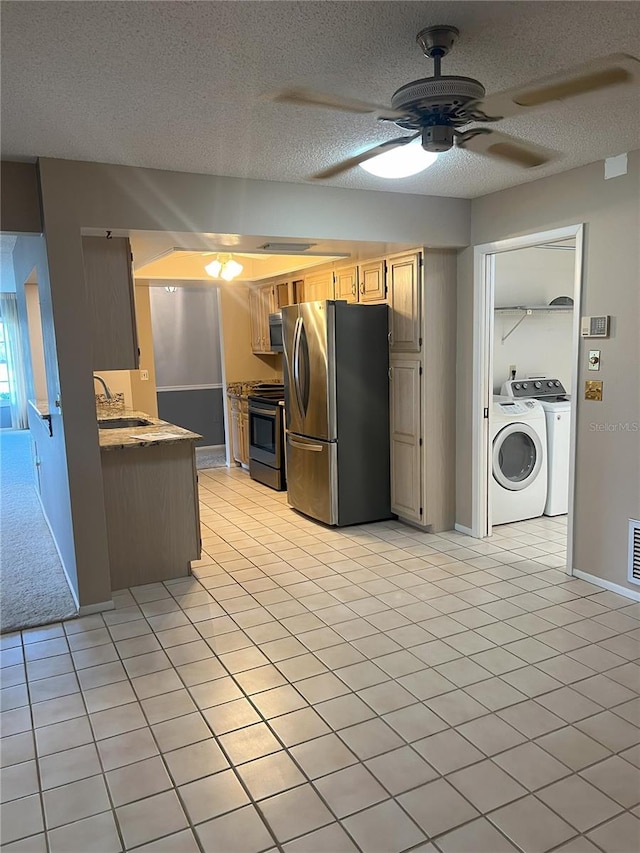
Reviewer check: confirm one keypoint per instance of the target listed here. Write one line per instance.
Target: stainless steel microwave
(275, 332)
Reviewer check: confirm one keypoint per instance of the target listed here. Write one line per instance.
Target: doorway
(527, 455)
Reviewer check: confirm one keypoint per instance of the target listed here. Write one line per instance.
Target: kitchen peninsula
(151, 497)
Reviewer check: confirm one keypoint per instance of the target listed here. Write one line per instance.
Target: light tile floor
(373, 688)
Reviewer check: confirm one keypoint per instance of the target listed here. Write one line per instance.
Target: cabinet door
(110, 299)
(404, 300)
(236, 443)
(406, 482)
(255, 317)
(373, 285)
(284, 295)
(244, 438)
(347, 284)
(318, 286)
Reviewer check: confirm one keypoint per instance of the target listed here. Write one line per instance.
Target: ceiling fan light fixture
(400, 162)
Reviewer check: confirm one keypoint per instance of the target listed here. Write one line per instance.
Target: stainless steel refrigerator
(336, 371)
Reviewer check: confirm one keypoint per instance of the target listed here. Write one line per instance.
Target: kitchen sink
(122, 423)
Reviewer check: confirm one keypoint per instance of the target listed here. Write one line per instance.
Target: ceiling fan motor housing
(439, 94)
(437, 138)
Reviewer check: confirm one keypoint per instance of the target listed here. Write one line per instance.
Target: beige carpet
(33, 585)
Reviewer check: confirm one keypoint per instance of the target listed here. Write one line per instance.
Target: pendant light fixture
(224, 266)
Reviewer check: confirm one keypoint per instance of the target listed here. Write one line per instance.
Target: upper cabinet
(318, 286)
(363, 283)
(373, 282)
(262, 302)
(404, 278)
(109, 286)
(347, 283)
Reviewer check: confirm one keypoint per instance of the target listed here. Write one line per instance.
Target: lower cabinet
(406, 450)
(239, 410)
(152, 511)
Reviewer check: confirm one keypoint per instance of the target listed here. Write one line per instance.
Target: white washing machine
(519, 463)
(557, 408)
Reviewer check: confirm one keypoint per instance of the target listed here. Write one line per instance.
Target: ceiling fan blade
(596, 77)
(309, 98)
(527, 155)
(363, 157)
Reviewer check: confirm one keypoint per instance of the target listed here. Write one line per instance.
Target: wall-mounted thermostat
(595, 327)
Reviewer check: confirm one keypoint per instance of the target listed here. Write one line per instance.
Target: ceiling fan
(439, 108)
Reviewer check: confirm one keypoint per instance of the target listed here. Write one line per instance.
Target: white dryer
(557, 408)
(519, 463)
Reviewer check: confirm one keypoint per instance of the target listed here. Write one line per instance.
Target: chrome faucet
(107, 391)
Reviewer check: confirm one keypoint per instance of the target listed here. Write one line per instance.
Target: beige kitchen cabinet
(262, 302)
(110, 299)
(152, 511)
(406, 452)
(404, 286)
(318, 286)
(239, 410)
(373, 282)
(346, 283)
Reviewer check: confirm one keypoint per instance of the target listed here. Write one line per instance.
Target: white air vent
(284, 248)
(634, 551)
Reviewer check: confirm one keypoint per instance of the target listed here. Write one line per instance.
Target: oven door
(264, 434)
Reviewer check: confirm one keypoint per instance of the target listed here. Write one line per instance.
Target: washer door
(517, 456)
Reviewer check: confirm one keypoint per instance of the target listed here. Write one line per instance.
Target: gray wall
(608, 460)
(30, 252)
(186, 347)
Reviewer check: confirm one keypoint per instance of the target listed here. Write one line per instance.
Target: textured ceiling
(178, 85)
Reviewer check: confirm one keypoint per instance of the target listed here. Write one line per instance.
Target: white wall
(542, 344)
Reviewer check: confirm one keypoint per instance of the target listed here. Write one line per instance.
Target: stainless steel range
(266, 436)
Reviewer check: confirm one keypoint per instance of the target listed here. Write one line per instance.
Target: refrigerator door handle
(316, 448)
(297, 334)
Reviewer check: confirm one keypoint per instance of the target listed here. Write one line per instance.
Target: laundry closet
(531, 378)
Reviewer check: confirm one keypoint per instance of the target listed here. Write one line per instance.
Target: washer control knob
(524, 385)
(550, 384)
(538, 384)
(517, 386)
(557, 384)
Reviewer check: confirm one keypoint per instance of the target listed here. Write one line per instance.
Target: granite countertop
(243, 389)
(141, 436)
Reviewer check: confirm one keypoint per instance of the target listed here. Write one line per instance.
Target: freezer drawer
(312, 477)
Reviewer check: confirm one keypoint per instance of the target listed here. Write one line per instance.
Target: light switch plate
(144, 375)
(594, 359)
(593, 389)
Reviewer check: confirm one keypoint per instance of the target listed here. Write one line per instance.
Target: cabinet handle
(362, 288)
(353, 289)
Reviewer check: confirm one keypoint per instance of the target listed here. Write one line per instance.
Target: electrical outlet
(512, 370)
(144, 375)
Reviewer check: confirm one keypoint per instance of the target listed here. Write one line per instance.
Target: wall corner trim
(99, 607)
(466, 530)
(632, 594)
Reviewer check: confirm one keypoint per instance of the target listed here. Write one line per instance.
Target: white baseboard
(612, 587)
(64, 568)
(88, 609)
(462, 529)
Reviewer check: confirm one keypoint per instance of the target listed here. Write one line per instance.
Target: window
(4, 369)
